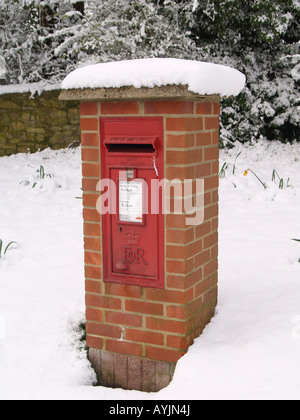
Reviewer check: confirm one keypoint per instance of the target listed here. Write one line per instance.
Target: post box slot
(130, 148)
(131, 144)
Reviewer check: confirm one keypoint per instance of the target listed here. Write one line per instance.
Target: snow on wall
(200, 77)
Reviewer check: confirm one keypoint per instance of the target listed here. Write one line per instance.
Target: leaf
(1, 244)
(13, 242)
(42, 172)
(297, 240)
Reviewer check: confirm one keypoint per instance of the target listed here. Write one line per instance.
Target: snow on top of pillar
(201, 77)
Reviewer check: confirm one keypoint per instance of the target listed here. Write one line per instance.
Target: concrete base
(130, 372)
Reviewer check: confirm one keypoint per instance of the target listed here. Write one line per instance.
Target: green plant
(79, 198)
(6, 248)
(40, 175)
(223, 169)
(234, 167)
(281, 180)
(250, 170)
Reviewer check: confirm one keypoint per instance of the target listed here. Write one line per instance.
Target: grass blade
(13, 242)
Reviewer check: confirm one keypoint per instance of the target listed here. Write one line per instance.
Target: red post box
(133, 237)
(150, 278)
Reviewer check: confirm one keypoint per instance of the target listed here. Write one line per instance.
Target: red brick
(89, 139)
(207, 199)
(215, 137)
(210, 240)
(211, 123)
(169, 107)
(102, 302)
(94, 315)
(202, 318)
(211, 211)
(144, 307)
(184, 124)
(180, 141)
(215, 167)
(203, 229)
(88, 108)
(124, 347)
(174, 296)
(184, 251)
(214, 224)
(178, 342)
(158, 353)
(214, 279)
(210, 268)
(160, 324)
(91, 170)
(93, 272)
(144, 336)
(103, 330)
(123, 290)
(180, 236)
(179, 267)
(204, 108)
(214, 252)
(122, 318)
(202, 258)
(93, 258)
(93, 286)
(91, 229)
(211, 153)
(210, 296)
(193, 278)
(203, 139)
(177, 157)
(94, 342)
(89, 124)
(182, 173)
(175, 311)
(91, 215)
(194, 306)
(203, 170)
(176, 282)
(200, 289)
(216, 108)
(175, 220)
(211, 183)
(89, 155)
(119, 108)
(90, 200)
(92, 244)
(89, 184)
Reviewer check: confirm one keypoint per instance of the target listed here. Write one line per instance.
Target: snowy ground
(251, 348)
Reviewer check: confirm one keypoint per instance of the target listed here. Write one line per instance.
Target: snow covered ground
(251, 348)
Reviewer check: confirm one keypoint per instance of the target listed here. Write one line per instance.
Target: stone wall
(29, 124)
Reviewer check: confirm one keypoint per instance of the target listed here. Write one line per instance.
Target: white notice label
(131, 201)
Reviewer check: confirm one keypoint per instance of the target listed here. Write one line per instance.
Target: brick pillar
(135, 335)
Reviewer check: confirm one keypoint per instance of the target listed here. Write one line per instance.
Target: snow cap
(201, 78)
